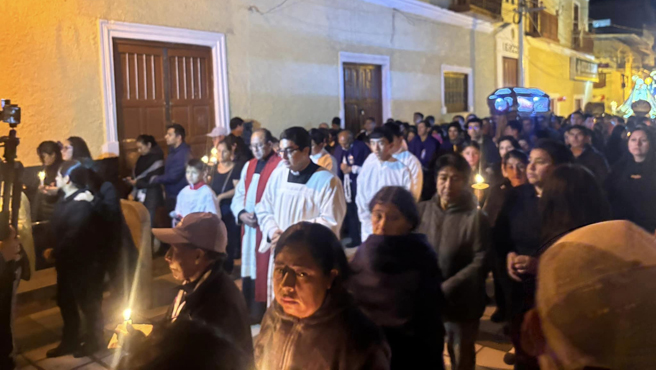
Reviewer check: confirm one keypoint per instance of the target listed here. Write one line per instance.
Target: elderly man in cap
(198, 247)
(595, 300)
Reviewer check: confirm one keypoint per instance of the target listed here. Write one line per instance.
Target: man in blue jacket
(174, 178)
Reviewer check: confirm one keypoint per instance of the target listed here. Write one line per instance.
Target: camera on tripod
(10, 170)
(11, 113)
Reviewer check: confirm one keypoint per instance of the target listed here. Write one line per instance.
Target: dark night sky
(628, 13)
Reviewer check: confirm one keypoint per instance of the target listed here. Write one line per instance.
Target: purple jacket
(424, 150)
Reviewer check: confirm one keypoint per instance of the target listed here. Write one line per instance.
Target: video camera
(10, 170)
(11, 113)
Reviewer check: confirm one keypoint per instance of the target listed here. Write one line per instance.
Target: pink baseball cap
(202, 230)
(218, 131)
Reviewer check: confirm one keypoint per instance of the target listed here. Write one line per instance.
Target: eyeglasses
(287, 151)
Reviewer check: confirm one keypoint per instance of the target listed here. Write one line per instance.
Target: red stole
(261, 259)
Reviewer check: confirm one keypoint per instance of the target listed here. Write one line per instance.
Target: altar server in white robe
(379, 170)
(401, 153)
(300, 190)
(249, 192)
(318, 152)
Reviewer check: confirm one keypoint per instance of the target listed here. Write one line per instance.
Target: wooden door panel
(159, 83)
(362, 95)
(510, 66)
(192, 101)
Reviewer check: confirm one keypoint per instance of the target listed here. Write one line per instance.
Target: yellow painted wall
(282, 65)
(551, 72)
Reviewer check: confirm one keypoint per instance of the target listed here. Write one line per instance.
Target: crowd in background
(372, 249)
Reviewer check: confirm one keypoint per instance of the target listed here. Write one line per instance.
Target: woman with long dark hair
(149, 164)
(313, 323)
(78, 264)
(513, 168)
(517, 235)
(396, 282)
(225, 177)
(572, 198)
(616, 147)
(49, 153)
(632, 182)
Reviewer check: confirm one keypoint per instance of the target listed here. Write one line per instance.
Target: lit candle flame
(479, 182)
(214, 151)
(205, 159)
(214, 160)
(42, 175)
(127, 314)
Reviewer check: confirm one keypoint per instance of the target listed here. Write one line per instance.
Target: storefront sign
(583, 70)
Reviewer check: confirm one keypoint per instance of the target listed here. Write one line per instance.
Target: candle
(205, 159)
(127, 316)
(479, 182)
(42, 176)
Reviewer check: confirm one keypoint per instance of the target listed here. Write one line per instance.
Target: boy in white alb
(379, 170)
(197, 197)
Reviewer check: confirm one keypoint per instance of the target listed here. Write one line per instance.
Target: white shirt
(416, 173)
(374, 176)
(189, 201)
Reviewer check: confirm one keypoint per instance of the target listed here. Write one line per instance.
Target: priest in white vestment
(249, 191)
(379, 170)
(300, 190)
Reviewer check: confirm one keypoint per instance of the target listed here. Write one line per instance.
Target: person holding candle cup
(50, 155)
(198, 249)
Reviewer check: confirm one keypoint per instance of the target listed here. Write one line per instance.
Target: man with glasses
(252, 182)
(298, 191)
(379, 170)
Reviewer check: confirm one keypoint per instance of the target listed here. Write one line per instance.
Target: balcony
(582, 41)
(542, 24)
(488, 8)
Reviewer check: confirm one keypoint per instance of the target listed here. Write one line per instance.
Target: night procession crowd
(372, 249)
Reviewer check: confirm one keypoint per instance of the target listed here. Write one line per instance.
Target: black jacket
(518, 229)
(396, 283)
(76, 229)
(336, 337)
(631, 189)
(460, 236)
(593, 160)
(218, 302)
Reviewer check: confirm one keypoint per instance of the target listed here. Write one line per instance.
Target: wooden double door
(158, 84)
(362, 95)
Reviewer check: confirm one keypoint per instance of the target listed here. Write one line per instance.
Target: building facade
(558, 51)
(109, 70)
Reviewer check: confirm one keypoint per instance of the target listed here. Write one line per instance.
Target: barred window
(455, 92)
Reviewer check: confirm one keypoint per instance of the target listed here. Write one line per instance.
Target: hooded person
(396, 282)
(600, 317)
(198, 248)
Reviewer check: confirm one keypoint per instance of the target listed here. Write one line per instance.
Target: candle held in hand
(42, 176)
(127, 315)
